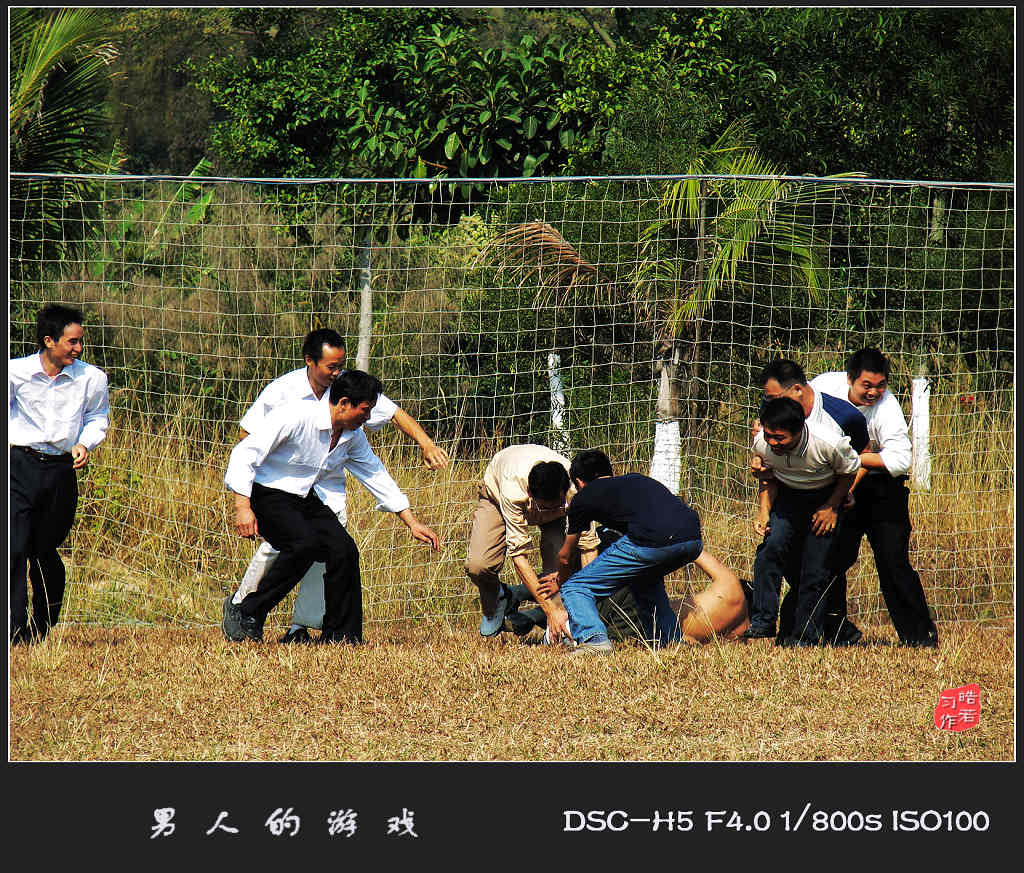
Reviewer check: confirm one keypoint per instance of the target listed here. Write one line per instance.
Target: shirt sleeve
(96, 415)
(892, 436)
(383, 411)
(362, 463)
(260, 409)
(517, 529)
(844, 459)
(253, 451)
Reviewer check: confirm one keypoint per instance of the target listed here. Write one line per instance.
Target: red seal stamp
(959, 708)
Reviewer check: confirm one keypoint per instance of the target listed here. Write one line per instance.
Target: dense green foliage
(924, 93)
(59, 74)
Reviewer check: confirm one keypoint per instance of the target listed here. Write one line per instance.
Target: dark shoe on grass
(795, 643)
(297, 635)
(238, 627)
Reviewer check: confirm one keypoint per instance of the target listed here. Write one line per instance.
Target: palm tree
(741, 208)
(731, 207)
(60, 70)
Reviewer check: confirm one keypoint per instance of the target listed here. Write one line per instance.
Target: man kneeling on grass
(272, 472)
(661, 533)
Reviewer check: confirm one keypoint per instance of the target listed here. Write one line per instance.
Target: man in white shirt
(881, 510)
(58, 412)
(279, 473)
(814, 467)
(323, 352)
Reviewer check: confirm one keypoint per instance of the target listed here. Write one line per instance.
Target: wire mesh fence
(650, 303)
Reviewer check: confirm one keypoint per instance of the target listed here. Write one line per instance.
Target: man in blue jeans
(814, 467)
(660, 534)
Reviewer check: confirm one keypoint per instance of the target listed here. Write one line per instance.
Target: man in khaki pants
(522, 486)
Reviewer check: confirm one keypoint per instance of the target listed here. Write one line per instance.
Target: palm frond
(536, 251)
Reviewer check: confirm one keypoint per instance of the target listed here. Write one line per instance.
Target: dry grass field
(428, 692)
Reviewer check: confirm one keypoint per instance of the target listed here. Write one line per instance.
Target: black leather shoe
(794, 643)
(847, 635)
(754, 633)
(300, 635)
(929, 642)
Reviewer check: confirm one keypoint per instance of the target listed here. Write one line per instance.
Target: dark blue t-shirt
(638, 506)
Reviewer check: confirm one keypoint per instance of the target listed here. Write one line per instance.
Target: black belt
(42, 456)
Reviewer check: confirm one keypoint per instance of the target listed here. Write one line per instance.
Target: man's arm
(364, 464)
(245, 457)
(824, 520)
(892, 438)
(558, 616)
(95, 422)
(767, 491)
(419, 530)
(435, 457)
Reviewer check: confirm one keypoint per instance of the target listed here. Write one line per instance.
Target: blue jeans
(642, 568)
(789, 544)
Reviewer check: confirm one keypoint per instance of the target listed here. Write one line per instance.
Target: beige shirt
(505, 483)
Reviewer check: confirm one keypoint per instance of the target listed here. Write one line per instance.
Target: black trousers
(305, 531)
(44, 497)
(881, 512)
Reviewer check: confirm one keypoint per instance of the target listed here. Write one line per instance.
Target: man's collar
(68, 371)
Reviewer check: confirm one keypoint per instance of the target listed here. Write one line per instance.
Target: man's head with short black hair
(590, 464)
(313, 344)
(782, 413)
(357, 386)
(869, 360)
(52, 319)
(784, 371)
(548, 482)
(867, 372)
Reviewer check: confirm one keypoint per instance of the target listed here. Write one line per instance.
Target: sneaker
(297, 635)
(492, 626)
(238, 627)
(595, 647)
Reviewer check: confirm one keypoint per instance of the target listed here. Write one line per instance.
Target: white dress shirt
(295, 386)
(887, 427)
(820, 455)
(53, 415)
(290, 451)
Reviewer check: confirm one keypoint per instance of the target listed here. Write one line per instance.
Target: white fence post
(559, 413)
(922, 462)
(665, 466)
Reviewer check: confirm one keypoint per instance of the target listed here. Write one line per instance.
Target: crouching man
(523, 485)
(273, 472)
(661, 533)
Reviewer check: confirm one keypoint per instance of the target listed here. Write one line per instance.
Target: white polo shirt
(53, 415)
(887, 427)
(290, 451)
(820, 455)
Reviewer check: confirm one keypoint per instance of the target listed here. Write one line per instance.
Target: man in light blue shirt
(58, 412)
